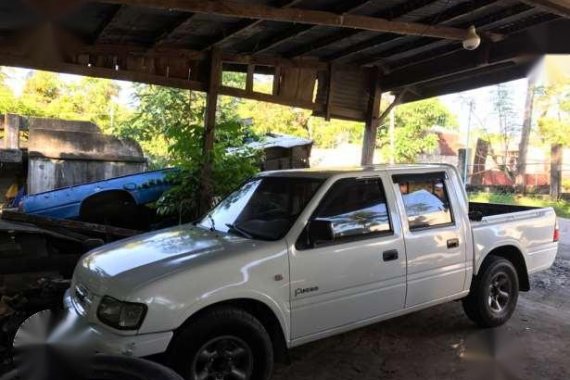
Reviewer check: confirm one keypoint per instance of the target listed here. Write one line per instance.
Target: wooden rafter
(486, 23)
(246, 25)
(558, 7)
(107, 22)
(454, 14)
(172, 29)
(301, 16)
(391, 13)
(300, 30)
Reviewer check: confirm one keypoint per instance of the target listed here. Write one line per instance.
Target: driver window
(356, 208)
(426, 201)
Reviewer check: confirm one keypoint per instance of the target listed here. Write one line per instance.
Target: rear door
(357, 276)
(434, 236)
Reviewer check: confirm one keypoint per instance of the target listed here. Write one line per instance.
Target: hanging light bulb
(472, 39)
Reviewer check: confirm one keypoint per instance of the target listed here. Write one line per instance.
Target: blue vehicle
(116, 201)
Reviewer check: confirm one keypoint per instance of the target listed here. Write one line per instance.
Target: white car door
(435, 247)
(360, 273)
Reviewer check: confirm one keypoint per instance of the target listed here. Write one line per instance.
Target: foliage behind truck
(296, 256)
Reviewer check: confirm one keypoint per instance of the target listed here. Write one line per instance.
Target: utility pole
(392, 133)
(466, 161)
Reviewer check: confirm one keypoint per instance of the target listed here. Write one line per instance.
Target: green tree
(46, 94)
(412, 124)
(169, 123)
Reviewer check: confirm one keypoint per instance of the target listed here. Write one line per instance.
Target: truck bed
(529, 229)
(491, 209)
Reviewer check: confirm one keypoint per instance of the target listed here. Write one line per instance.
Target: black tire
(494, 293)
(211, 343)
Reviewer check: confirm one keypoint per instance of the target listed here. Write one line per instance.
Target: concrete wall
(65, 153)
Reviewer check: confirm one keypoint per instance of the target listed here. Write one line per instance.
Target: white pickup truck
(296, 256)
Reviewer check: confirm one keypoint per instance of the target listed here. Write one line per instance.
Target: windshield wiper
(239, 230)
(212, 222)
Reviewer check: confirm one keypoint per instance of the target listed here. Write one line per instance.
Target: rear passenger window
(355, 208)
(426, 200)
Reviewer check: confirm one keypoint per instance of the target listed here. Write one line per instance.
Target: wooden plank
(107, 23)
(249, 78)
(461, 11)
(391, 13)
(508, 15)
(330, 92)
(558, 7)
(353, 6)
(245, 26)
(74, 225)
(301, 16)
(100, 72)
(239, 93)
(276, 81)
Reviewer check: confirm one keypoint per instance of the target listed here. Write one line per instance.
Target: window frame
(301, 246)
(425, 177)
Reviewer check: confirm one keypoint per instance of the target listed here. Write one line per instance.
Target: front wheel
(494, 293)
(224, 344)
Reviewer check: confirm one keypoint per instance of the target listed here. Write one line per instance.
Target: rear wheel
(494, 293)
(226, 343)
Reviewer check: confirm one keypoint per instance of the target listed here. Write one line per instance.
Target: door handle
(453, 243)
(390, 255)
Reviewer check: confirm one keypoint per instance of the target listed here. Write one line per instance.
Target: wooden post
(372, 120)
(555, 171)
(206, 188)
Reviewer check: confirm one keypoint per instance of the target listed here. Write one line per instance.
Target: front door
(435, 247)
(360, 273)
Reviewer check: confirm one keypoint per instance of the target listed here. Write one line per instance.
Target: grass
(561, 207)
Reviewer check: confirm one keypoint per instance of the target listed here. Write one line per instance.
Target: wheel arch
(516, 257)
(260, 310)
(111, 194)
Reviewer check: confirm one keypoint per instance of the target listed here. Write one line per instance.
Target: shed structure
(334, 57)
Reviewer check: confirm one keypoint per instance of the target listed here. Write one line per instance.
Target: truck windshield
(263, 208)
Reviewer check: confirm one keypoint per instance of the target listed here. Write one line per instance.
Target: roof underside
(169, 42)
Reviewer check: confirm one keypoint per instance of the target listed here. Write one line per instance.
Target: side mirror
(475, 216)
(319, 232)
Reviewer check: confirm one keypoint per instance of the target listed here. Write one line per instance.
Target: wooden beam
(249, 78)
(558, 7)
(107, 22)
(509, 15)
(300, 30)
(172, 29)
(454, 14)
(73, 225)
(513, 50)
(392, 13)
(246, 26)
(206, 187)
(100, 72)
(372, 121)
(301, 16)
(270, 98)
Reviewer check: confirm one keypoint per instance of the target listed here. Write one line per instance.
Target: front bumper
(75, 329)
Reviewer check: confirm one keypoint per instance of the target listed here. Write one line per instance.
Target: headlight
(121, 315)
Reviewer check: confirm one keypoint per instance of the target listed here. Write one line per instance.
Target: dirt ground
(441, 343)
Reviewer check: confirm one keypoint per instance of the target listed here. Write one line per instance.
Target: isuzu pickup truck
(295, 256)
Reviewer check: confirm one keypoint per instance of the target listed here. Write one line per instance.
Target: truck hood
(134, 262)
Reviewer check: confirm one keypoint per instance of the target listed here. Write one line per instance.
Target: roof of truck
(326, 172)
